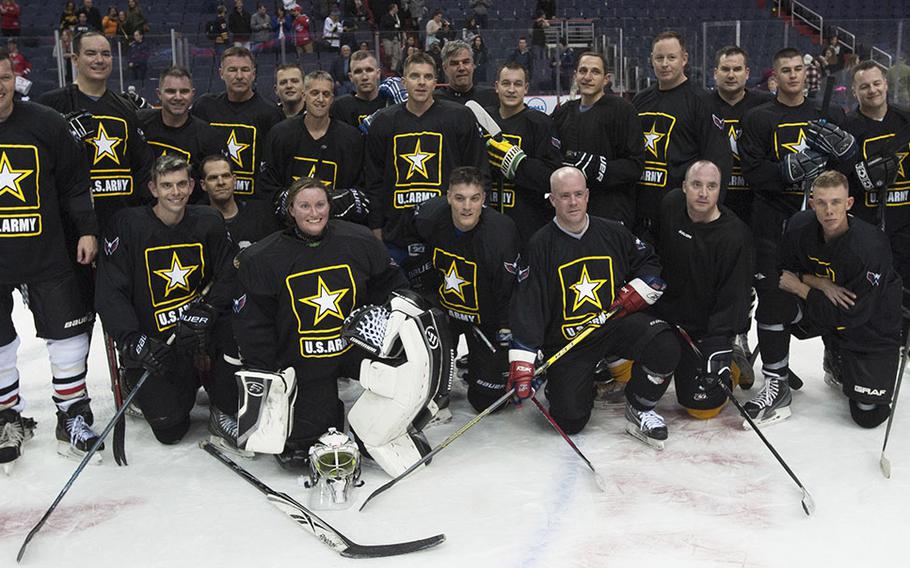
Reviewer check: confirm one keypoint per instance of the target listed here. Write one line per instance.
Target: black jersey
(485, 96)
(707, 268)
(860, 261)
(297, 294)
(873, 138)
(409, 159)
(477, 269)
(241, 129)
(770, 131)
(570, 280)
(254, 221)
(609, 128)
(678, 130)
(352, 110)
(148, 272)
(291, 153)
(118, 157)
(523, 198)
(43, 182)
(739, 197)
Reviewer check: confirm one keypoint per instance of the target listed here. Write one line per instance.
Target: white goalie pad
(399, 454)
(265, 417)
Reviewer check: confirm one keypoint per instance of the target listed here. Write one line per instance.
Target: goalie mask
(334, 470)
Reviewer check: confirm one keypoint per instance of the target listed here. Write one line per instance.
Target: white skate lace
(650, 420)
(228, 425)
(767, 395)
(79, 430)
(11, 435)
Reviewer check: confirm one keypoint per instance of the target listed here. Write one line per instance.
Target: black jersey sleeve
(140, 155)
(534, 171)
(278, 152)
(732, 283)
(714, 144)
(256, 323)
(385, 275)
(72, 179)
(530, 309)
(114, 281)
(626, 167)
(374, 168)
(222, 251)
(760, 167)
(506, 271)
(643, 259)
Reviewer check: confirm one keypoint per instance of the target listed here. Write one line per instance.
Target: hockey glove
(194, 326)
(144, 352)
(718, 353)
(135, 98)
(878, 172)
(350, 204)
(392, 89)
(521, 373)
(828, 138)
(505, 156)
(504, 338)
(637, 294)
(81, 125)
(592, 165)
(798, 166)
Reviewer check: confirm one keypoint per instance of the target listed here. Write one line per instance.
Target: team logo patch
(418, 168)
(658, 130)
(457, 290)
(639, 244)
(516, 269)
(587, 288)
(174, 272)
(110, 247)
(873, 277)
(718, 122)
(239, 303)
(321, 299)
(20, 191)
(240, 149)
(555, 142)
(324, 170)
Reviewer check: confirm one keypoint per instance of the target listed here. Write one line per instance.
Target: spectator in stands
(339, 71)
(433, 26)
(481, 8)
(458, 66)
(565, 61)
(109, 23)
(481, 59)
(217, 31)
(82, 25)
(21, 66)
(390, 34)
(899, 81)
(539, 38)
(470, 29)
(418, 9)
(65, 48)
(358, 11)
(69, 19)
(9, 18)
(138, 59)
(239, 24)
(303, 41)
(548, 7)
(92, 15)
(813, 76)
(282, 28)
(522, 56)
(135, 19)
(331, 31)
(261, 25)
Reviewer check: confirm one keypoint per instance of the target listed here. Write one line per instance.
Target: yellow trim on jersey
(313, 170)
(301, 330)
(403, 183)
(829, 272)
(252, 145)
(181, 151)
(148, 270)
(565, 288)
(471, 279)
(36, 172)
(801, 136)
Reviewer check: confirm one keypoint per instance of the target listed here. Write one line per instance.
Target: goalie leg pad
(397, 455)
(264, 419)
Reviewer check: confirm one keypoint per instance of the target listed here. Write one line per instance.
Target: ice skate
(742, 357)
(75, 436)
(609, 393)
(647, 426)
(223, 429)
(829, 365)
(461, 367)
(771, 404)
(15, 430)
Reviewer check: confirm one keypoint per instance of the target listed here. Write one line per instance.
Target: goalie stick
(323, 531)
(593, 324)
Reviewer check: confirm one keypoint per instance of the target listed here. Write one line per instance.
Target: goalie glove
(593, 166)
(81, 124)
(830, 139)
(798, 166)
(505, 156)
(877, 173)
(638, 294)
(392, 89)
(350, 204)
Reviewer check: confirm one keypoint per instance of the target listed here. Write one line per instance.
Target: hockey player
(242, 118)
(289, 88)
(365, 100)
(706, 254)
(876, 124)
(678, 130)
(156, 261)
(458, 66)
(298, 286)
(412, 148)
(579, 266)
(172, 130)
(523, 160)
(601, 135)
(777, 160)
(474, 249)
(43, 182)
(837, 280)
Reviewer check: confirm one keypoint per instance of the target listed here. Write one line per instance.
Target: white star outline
(325, 301)
(453, 282)
(586, 290)
(105, 145)
(177, 275)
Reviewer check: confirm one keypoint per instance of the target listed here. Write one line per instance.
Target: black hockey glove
(718, 353)
(350, 204)
(592, 165)
(798, 166)
(81, 125)
(504, 338)
(194, 326)
(878, 172)
(135, 98)
(828, 138)
(144, 352)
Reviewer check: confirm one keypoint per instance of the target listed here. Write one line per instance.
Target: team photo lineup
(409, 233)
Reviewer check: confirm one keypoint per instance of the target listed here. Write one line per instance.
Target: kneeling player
(840, 283)
(579, 266)
(156, 261)
(706, 253)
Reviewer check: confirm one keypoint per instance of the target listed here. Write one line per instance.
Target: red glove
(638, 294)
(521, 372)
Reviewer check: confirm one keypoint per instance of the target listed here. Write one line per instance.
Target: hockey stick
(492, 128)
(323, 531)
(100, 440)
(807, 502)
(597, 477)
(113, 367)
(595, 323)
(884, 462)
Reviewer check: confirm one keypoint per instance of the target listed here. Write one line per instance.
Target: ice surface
(509, 493)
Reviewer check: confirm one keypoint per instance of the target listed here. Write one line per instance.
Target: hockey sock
(869, 415)
(652, 370)
(9, 376)
(68, 366)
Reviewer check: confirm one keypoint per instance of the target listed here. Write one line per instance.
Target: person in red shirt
(303, 40)
(9, 18)
(21, 66)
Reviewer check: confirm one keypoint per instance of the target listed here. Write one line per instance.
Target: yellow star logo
(800, 144)
(454, 283)
(417, 160)
(900, 164)
(234, 148)
(325, 301)
(10, 178)
(586, 290)
(177, 275)
(652, 137)
(105, 145)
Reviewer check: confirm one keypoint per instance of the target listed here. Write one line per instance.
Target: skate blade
(443, 416)
(781, 413)
(8, 468)
(66, 450)
(636, 433)
(220, 443)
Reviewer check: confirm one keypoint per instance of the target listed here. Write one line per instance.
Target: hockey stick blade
(484, 119)
(885, 464)
(327, 534)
